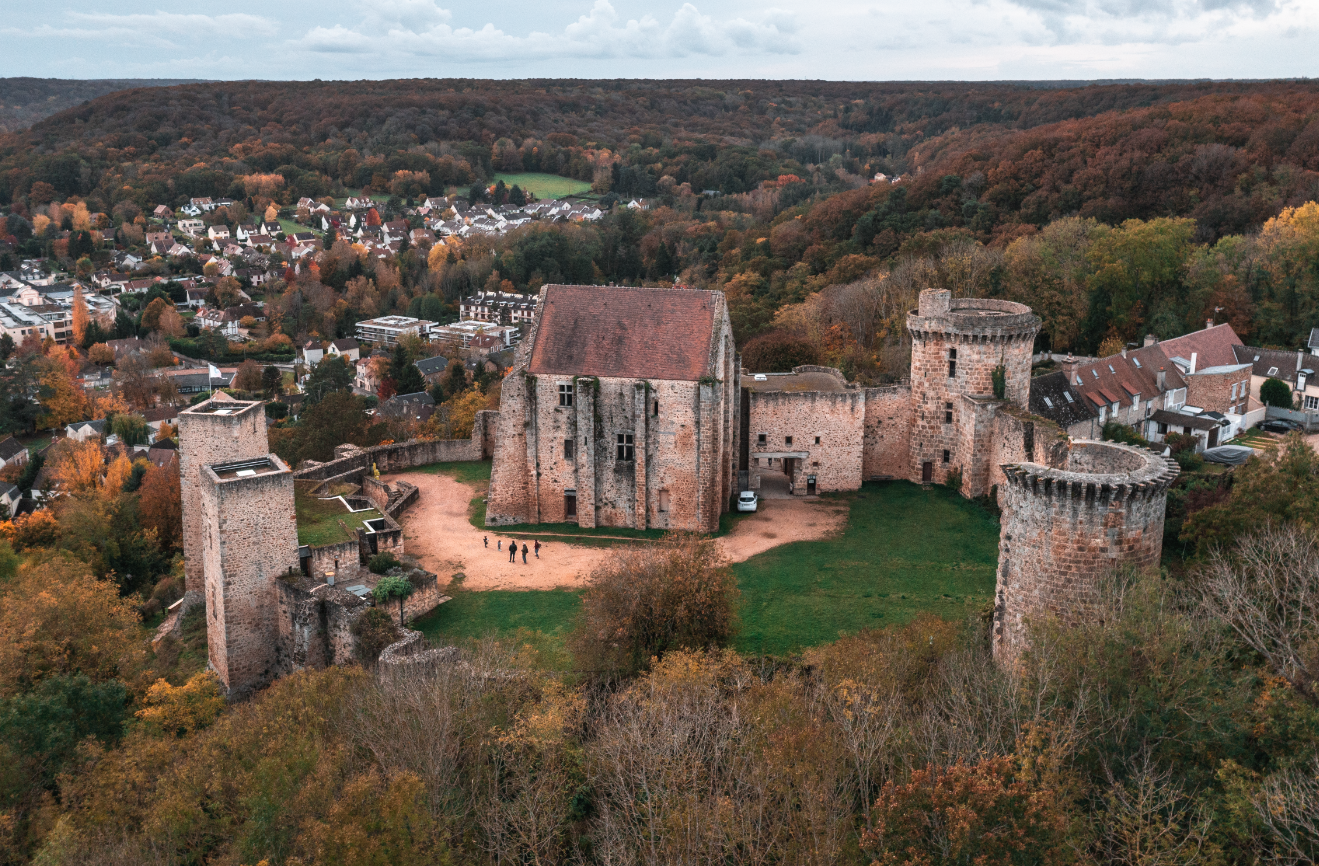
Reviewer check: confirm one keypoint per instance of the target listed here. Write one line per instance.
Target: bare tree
(1267, 590)
(1288, 805)
(1149, 819)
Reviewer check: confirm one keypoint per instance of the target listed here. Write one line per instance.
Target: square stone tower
(219, 430)
(249, 538)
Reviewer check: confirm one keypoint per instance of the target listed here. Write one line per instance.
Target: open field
(903, 551)
(546, 185)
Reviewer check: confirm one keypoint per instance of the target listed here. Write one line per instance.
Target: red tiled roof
(1212, 346)
(625, 333)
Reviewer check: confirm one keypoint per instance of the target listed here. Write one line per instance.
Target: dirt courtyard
(438, 534)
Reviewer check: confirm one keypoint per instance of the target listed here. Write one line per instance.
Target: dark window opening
(625, 450)
(565, 395)
(569, 449)
(655, 411)
(952, 369)
(946, 455)
(760, 440)
(817, 440)
(947, 413)
(952, 354)
(787, 440)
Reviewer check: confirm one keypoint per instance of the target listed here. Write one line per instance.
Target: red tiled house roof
(1212, 346)
(625, 333)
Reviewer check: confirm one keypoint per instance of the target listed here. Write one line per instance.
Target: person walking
(485, 539)
(524, 553)
(538, 548)
(499, 544)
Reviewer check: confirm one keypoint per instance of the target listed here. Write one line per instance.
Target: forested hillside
(24, 101)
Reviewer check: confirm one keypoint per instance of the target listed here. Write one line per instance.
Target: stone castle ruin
(628, 407)
(273, 605)
(1065, 526)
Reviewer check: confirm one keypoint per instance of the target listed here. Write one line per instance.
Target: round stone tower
(956, 345)
(1065, 528)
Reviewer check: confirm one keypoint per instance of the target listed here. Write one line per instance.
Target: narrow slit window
(946, 455)
(947, 413)
(655, 409)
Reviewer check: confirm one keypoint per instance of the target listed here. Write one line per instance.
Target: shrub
(678, 593)
(382, 563)
(374, 630)
(1275, 392)
(953, 480)
(1188, 460)
(1179, 442)
(1116, 431)
(999, 377)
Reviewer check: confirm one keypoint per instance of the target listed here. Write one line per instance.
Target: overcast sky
(832, 39)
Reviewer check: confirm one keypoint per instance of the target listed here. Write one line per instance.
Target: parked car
(747, 501)
(1278, 425)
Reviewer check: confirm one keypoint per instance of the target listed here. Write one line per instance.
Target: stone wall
(1065, 528)
(204, 438)
(887, 433)
(344, 559)
(251, 539)
(1213, 391)
(829, 426)
(405, 455)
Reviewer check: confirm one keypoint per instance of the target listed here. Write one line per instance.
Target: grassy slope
(546, 185)
(905, 550)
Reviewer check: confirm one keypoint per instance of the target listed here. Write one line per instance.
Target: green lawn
(905, 551)
(546, 185)
(322, 521)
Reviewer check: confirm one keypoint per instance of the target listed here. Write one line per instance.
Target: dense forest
(24, 101)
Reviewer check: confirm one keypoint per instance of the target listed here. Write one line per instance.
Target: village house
(312, 352)
(1294, 368)
(12, 453)
(504, 308)
(346, 348)
(84, 431)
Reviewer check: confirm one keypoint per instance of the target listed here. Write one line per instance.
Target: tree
(455, 417)
(62, 400)
(337, 418)
(56, 620)
(405, 375)
(160, 505)
(642, 602)
(777, 352)
(248, 377)
(272, 381)
(80, 316)
(177, 711)
(151, 315)
(968, 814)
(516, 196)
(136, 381)
(131, 429)
(1267, 591)
(332, 375)
(101, 354)
(1275, 392)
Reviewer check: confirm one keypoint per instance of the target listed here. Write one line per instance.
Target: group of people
(512, 548)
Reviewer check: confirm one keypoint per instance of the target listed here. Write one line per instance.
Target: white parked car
(747, 501)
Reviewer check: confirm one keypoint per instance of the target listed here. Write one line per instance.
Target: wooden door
(569, 505)
(927, 472)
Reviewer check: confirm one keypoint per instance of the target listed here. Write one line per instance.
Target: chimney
(1161, 378)
(1124, 350)
(1300, 363)
(1192, 370)
(1209, 323)
(1150, 339)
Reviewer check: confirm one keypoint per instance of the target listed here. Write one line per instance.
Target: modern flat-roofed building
(386, 330)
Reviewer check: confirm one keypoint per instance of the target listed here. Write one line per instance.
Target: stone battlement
(981, 320)
(1104, 472)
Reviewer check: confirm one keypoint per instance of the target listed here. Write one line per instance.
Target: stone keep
(216, 431)
(1064, 529)
(620, 410)
(250, 539)
(955, 347)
